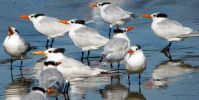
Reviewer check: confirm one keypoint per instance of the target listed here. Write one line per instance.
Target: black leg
(11, 61)
(47, 43)
(118, 66)
(111, 66)
(109, 33)
(101, 58)
(139, 79)
(166, 51)
(21, 64)
(167, 48)
(51, 45)
(88, 62)
(88, 54)
(129, 80)
(82, 56)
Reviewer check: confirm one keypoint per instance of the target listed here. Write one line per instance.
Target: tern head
(155, 15)
(73, 21)
(31, 17)
(132, 50)
(53, 54)
(12, 31)
(50, 51)
(123, 30)
(99, 4)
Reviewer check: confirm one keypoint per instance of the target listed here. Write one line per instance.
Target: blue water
(181, 84)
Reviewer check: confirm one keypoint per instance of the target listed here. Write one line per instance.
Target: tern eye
(50, 51)
(16, 31)
(31, 16)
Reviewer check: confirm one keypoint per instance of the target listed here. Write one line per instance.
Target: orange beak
(24, 17)
(39, 53)
(51, 90)
(129, 28)
(147, 16)
(64, 21)
(93, 5)
(130, 51)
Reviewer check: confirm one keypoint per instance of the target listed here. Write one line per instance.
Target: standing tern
(70, 68)
(168, 29)
(48, 26)
(37, 93)
(113, 14)
(53, 80)
(117, 47)
(15, 46)
(84, 37)
(135, 61)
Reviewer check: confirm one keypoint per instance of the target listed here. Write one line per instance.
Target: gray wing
(89, 37)
(53, 24)
(116, 44)
(174, 28)
(33, 95)
(116, 12)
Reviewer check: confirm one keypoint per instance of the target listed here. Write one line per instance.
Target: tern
(84, 37)
(15, 45)
(135, 61)
(70, 68)
(168, 29)
(113, 14)
(117, 47)
(48, 26)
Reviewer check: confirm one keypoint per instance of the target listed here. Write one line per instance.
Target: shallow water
(180, 76)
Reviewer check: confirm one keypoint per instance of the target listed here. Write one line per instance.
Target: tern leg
(88, 54)
(139, 80)
(51, 45)
(166, 51)
(111, 66)
(118, 66)
(47, 43)
(129, 80)
(21, 64)
(101, 58)
(167, 48)
(11, 60)
(109, 33)
(82, 56)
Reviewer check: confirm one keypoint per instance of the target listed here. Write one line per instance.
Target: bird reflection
(17, 89)
(115, 91)
(167, 71)
(135, 95)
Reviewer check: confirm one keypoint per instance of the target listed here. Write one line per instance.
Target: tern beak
(93, 5)
(39, 53)
(147, 16)
(24, 17)
(129, 28)
(64, 21)
(51, 90)
(130, 51)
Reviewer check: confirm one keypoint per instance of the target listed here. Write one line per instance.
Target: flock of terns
(59, 71)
